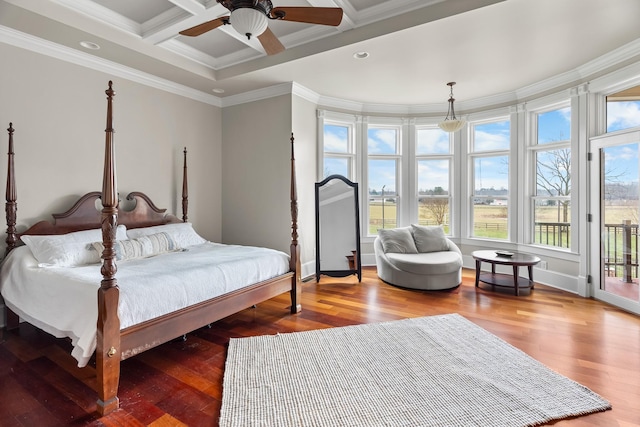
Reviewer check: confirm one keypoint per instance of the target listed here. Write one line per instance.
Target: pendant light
(451, 123)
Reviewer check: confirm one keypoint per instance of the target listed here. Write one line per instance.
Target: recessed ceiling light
(361, 55)
(90, 45)
(217, 90)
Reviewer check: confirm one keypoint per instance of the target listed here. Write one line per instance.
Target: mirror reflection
(337, 228)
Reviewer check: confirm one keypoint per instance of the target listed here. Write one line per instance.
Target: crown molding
(624, 75)
(259, 94)
(28, 42)
(101, 13)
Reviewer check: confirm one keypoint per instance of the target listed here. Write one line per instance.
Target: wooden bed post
(185, 189)
(11, 206)
(11, 210)
(294, 262)
(108, 351)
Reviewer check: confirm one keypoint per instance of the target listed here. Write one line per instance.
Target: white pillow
(68, 250)
(429, 238)
(182, 233)
(397, 240)
(141, 247)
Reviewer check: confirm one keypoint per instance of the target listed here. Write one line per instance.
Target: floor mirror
(337, 228)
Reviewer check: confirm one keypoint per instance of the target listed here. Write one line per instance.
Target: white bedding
(63, 301)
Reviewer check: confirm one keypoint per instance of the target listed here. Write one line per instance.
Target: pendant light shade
(451, 123)
(248, 22)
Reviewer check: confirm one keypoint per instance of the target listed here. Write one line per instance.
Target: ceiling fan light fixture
(451, 123)
(248, 21)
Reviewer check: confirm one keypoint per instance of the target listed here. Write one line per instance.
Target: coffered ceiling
(489, 47)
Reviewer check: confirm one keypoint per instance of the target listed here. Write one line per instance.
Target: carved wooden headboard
(85, 215)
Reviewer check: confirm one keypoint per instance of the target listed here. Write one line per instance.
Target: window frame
(450, 158)
(533, 149)
(342, 120)
(398, 157)
(472, 155)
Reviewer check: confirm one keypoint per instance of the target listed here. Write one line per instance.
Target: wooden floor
(180, 383)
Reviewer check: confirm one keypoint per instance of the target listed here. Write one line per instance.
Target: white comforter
(63, 301)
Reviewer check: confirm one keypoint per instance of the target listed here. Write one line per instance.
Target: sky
(621, 161)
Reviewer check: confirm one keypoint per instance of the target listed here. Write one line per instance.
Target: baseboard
(308, 269)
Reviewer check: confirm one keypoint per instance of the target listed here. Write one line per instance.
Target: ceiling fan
(250, 18)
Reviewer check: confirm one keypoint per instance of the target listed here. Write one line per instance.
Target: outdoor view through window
(489, 162)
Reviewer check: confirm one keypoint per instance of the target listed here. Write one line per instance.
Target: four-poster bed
(122, 332)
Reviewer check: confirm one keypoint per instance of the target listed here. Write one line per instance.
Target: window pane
(622, 115)
(382, 141)
(336, 139)
(490, 201)
(553, 172)
(490, 218)
(491, 136)
(382, 177)
(552, 222)
(336, 166)
(433, 177)
(554, 126)
(382, 213)
(434, 211)
(382, 194)
(432, 141)
(491, 176)
(621, 176)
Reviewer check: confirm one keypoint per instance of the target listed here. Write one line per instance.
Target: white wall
(58, 110)
(256, 173)
(304, 125)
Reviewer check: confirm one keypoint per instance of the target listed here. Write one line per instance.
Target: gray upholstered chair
(418, 257)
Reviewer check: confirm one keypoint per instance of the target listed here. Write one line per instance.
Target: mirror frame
(357, 270)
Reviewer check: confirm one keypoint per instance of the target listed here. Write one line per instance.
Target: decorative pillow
(182, 233)
(67, 250)
(397, 240)
(142, 247)
(429, 238)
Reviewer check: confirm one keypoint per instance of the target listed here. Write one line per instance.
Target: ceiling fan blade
(270, 42)
(309, 15)
(204, 27)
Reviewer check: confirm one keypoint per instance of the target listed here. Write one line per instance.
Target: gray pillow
(397, 240)
(429, 238)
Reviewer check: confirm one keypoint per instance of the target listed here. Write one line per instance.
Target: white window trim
(486, 117)
(402, 160)
(540, 106)
(338, 119)
(451, 157)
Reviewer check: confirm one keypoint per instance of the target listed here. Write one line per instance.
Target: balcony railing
(620, 245)
(553, 234)
(621, 250)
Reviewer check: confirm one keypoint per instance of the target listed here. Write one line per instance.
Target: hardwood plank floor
(180, 383)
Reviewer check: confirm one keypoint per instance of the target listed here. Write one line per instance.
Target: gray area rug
(430, 371)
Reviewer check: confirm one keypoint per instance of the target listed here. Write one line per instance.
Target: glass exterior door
(615, 172)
